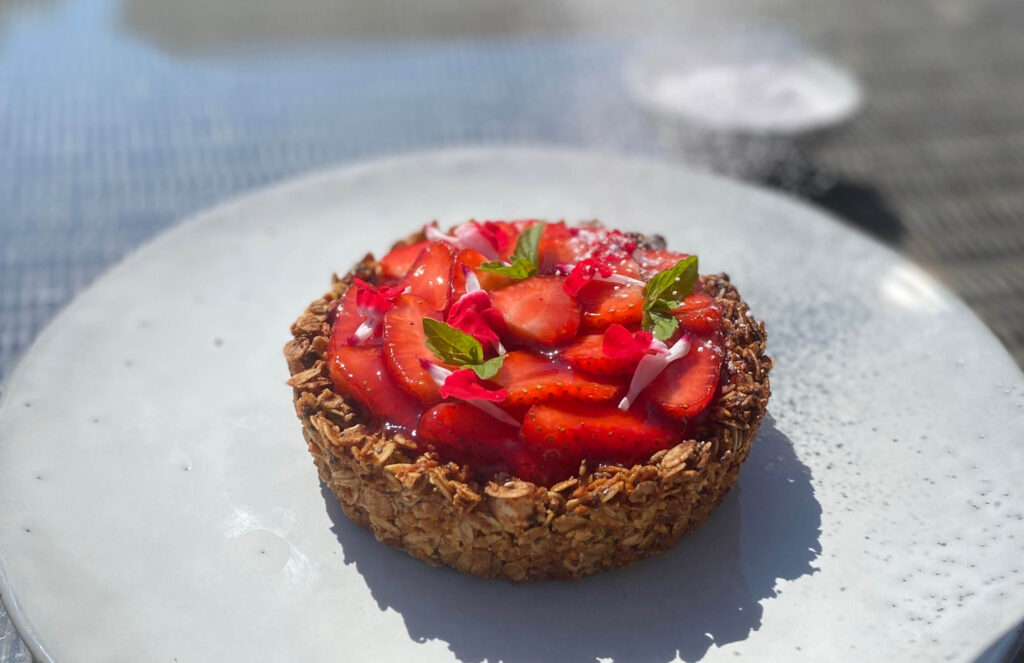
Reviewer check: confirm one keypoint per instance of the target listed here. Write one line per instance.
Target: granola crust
(605, 517)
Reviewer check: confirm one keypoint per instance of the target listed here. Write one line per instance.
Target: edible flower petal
(652, 365)
(465, 384)
(441, 376)
(378, 299)
(470, 235)
(472, 282)
(620, 279)
(496, 235)
(619, 343)
(583, 273)
(372, 303)
(467, 315)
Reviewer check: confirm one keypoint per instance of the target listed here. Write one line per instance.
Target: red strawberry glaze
(568, 360)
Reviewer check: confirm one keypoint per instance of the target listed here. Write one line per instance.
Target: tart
(529, 400)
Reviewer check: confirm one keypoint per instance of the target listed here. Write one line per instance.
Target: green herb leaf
(518, 270)
(528, 243)
(673, 284)
(450, 345)
(665, 292)
(663, 305)
(489, 368)
(661, 325)
(524, 258)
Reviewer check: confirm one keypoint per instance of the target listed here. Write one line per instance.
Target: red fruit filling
(547, 346)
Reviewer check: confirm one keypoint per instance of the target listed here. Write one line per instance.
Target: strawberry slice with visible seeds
(569, 432)
(357, 374)
(587, 354)
(400, 260)
(430, 277)
(538, 311)
(687, 385)
(653, 261)
(604, 304)
(530, 378)
(699, 313)
(404, 346)
(463, 433)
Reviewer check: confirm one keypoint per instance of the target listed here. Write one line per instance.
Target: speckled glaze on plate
(159, 503)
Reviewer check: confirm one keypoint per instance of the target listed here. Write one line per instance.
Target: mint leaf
(518, 270)
(665, 292)
(489, 368)
(661, 325)
(457, 348)
(663, 305)
(524, 257)
(673, 284)
(450, 345)
(527, 244)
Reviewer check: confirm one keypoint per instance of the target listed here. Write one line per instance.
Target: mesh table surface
(118, 119)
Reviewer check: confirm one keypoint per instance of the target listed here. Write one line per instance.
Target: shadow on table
(858, 202)
(863, 206)
(707, 590)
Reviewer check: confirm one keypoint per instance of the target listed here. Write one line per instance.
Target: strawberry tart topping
(473, 314)
(488, 238)
(527, 348)
(466, 385)
(372, 303)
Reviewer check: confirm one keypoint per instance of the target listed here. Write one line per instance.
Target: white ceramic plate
(159, 504)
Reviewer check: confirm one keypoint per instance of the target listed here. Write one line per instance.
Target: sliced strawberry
(346, 315)
(358, 374)
(404, 346)
(626, 267)
(603, 304)
(688, 384)
(400, 260)
(557, 247)
(699, 313)
(540, 465)
(569, 432)
(538, 311)
(463, 433)
(530, 378)
(587, 354)
(473, 259)
(430, 277)
(653, 261)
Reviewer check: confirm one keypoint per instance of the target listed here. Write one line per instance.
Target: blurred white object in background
(744, 102)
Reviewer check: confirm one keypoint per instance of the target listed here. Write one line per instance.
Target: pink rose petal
(652, 365)
(619, 343)
(467, 385)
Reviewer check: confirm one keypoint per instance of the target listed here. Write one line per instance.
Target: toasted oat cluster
(529, 400)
